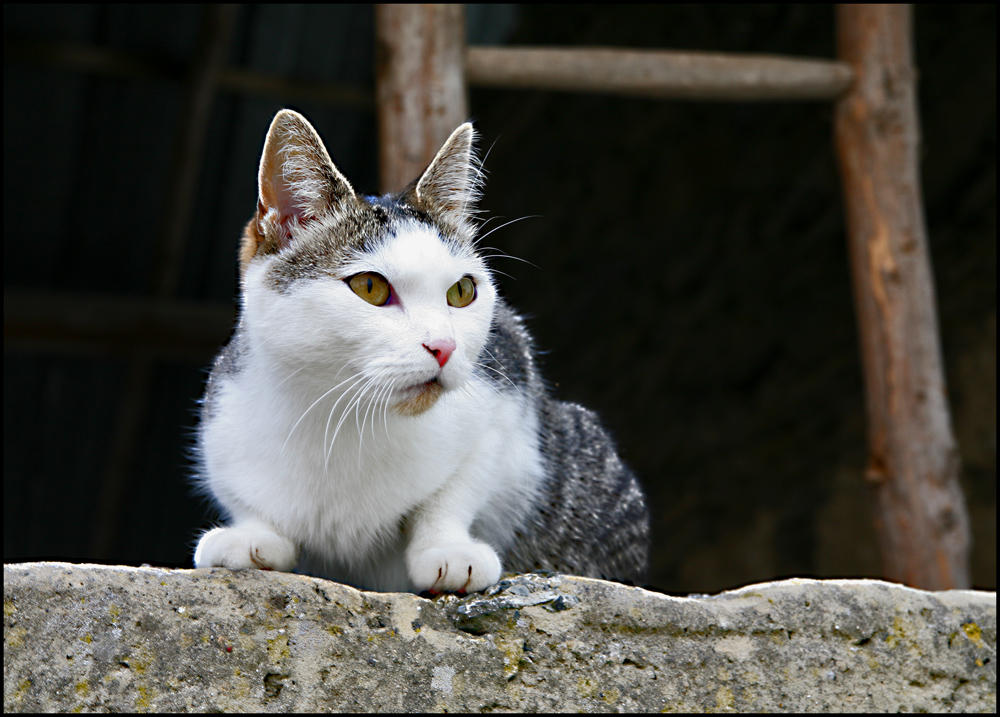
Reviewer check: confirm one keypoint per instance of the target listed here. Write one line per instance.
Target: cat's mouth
(419, 397)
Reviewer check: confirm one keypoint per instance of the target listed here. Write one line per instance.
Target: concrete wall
(106, 638)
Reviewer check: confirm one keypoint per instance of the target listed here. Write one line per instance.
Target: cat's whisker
(371, 393)
(352, 404)
(496, 371)
(304, 413)
(291, 375)
(363, 405)
(359, 378)
(499, 373)
(372, 406)
(506, 224)
(494, 271)
(472, 394)
(377, 401)
(357, 404)
(504, 255)
(356, 378)
(489, 384)
(380, 403)
(389, 389)
(487, 221)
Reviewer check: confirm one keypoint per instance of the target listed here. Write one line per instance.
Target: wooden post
(419, 86)
(921, 518)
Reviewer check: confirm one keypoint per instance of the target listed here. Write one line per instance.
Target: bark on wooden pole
(419, 86)
(921, 517)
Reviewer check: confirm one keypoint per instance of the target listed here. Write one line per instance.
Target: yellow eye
(462, 292)
(372, 287)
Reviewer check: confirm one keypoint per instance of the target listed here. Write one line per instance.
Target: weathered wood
(419, 86)
(657, 73)
(921, 518)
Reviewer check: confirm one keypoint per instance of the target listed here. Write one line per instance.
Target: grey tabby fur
(590, 517)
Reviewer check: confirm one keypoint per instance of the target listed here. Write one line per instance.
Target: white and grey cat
(377, 416)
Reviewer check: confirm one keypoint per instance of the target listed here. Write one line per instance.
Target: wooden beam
(114, 326)
(292, 89)
(77, 57)
(921, 518)
(419, 86)
(657, 73)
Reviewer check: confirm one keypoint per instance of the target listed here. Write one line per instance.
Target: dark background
(687, 272)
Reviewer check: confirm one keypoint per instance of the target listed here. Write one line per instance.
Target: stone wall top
(103, 638)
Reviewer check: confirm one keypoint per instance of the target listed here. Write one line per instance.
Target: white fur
(304, 450)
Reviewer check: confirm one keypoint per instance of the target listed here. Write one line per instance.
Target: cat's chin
(418, 399)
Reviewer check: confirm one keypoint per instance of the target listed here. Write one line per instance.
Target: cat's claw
(468, 567)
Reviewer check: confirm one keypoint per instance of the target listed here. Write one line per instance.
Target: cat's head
(383, 297)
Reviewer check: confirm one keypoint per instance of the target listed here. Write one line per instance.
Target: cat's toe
(272, 552)
(241, 548)
(463, 568)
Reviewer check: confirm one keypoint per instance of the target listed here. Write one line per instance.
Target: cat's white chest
(342, 497)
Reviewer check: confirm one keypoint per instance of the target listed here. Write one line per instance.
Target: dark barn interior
(684, 267)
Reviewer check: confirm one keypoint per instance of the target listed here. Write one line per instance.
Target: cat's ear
(298, 183)
(449, 187)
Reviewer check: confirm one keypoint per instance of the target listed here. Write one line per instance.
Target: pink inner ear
(286, 222)
(282, 196)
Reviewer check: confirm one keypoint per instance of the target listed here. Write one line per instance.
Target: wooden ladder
(423, 70)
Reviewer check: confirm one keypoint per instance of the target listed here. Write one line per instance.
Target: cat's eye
(462, 292)
(372, 287)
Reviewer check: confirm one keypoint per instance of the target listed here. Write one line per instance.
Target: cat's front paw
(243, 547)
(465, 567)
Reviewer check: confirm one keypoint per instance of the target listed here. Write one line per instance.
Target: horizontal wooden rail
(658, 73)
(113, 325)
(649, 73)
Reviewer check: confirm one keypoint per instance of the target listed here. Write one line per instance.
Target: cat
(378, 416)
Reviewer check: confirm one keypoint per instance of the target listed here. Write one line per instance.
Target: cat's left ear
(449, 187)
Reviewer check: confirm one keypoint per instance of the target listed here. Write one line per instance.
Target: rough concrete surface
(107, 638)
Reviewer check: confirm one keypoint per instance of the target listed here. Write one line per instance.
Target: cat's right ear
(449, 187)
(298, 183)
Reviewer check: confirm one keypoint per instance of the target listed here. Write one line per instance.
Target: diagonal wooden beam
(213, 44)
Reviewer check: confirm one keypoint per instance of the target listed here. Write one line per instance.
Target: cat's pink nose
(441, 349)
